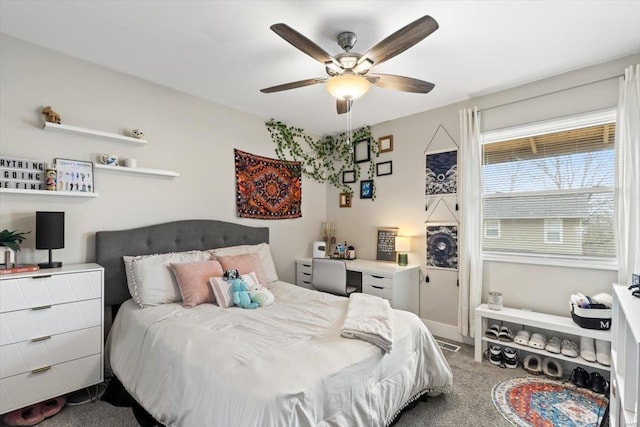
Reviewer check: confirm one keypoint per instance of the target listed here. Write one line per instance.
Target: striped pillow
(222, 291)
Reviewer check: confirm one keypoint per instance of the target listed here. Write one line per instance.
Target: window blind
(548, 188)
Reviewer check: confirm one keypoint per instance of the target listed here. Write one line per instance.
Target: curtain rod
(550, 93)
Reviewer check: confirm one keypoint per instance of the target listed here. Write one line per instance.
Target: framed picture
(385, 144)
(441, 173)
(442, 246)
(74, 175)
(386, 244)
(345, 200)
(384, 168)
(348, 177)
(366, 189)
(361, 152)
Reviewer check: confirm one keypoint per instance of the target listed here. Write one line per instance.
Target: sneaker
(580, 378)
(603, 352)
(495, 355)
(569, 348)
(510, 357)
(598, 383)
(587, 349)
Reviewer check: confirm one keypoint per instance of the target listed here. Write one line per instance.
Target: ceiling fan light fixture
(363, 66)
(348, 86)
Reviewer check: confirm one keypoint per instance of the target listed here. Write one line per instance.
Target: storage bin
(591, 318)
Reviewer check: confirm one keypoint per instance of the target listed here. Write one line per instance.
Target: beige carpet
(469, 403)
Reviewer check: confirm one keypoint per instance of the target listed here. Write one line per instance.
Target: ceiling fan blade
(405, 84)
(293, 85)
(343, 105)
(302, 43)
(401, 40)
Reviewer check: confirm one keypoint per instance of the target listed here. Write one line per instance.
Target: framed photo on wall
(384, 168)
(74, 175)
(345, 200)
(349, 177)
(385, 144)
(366, 189)
(361, 152)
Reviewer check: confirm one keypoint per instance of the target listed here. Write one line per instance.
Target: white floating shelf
(48, 193)
(54, 127)
(142, 171)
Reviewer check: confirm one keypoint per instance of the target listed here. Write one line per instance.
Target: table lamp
(50, 234)
(403, 245)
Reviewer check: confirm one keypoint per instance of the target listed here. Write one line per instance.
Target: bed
(281, 365)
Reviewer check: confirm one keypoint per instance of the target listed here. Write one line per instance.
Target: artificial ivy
(327, 158)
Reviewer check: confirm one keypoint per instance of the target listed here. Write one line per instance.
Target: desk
(398, 284)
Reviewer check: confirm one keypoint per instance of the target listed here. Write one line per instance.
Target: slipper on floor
(505, 334)
(532, 364)
(522, 337)
(537, 341)
(551, 368)
(50, 407)
(492, 332)
(28, 416)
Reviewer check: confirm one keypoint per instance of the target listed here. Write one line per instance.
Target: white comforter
(282, 365)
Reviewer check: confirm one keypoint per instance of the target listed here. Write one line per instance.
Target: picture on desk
(442, 246)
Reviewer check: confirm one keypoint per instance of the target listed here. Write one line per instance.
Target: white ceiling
(225, 52)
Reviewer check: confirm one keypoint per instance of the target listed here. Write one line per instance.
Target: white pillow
(264, 255)
(149, 277)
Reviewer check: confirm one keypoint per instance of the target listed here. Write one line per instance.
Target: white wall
(186, 134)
(401, 202)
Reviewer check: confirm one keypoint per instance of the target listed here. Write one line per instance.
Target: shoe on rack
(522, 337)
(532, 364)
(603, 352)
(505, 334)
(551, 368)
(510, 357)
(538, 341)
(580, 378)
(569, 348)
(587, 349)
(495, 355)
(598, 383)
(492, 332)
(553, 345)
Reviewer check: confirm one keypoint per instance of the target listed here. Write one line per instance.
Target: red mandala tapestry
(267, 188)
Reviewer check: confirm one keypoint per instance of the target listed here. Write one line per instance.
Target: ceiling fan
(348, 72)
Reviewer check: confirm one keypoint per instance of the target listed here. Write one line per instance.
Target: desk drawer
(42, 289)
(303, 268)
(378, 291)
(25, 325)
(303, 277)
(25, 389)
(378, 281)
(48, 351)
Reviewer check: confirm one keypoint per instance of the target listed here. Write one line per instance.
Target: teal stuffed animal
(241, 295)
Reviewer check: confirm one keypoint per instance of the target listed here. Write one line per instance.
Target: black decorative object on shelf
(50, 235)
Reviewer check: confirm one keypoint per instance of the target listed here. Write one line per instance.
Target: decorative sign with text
(386, 244)
(22, 174)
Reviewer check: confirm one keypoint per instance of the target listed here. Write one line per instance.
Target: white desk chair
(330, 275)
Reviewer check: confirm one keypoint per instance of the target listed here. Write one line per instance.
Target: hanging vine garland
(327, 158)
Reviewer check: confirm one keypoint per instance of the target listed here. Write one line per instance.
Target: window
(548, 188)
(492, 228)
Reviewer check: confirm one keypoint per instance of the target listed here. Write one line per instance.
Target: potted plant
(9, 243)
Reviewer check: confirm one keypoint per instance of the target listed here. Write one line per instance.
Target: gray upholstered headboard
(178, 236)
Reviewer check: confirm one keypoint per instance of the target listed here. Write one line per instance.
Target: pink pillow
(245, 264)
(193, 281)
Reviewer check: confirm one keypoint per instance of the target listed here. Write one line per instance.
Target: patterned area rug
(541, 402)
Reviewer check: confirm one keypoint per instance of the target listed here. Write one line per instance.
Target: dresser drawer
(303, 268)
(51, 350)
(25, 389)
(303, 277)
(25, 325)
(41, 290)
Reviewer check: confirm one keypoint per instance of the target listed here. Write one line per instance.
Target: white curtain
(470, 185)
(627, 214)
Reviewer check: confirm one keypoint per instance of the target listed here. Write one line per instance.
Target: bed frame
(177, 236)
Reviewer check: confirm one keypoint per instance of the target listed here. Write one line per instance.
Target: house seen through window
(548, 188)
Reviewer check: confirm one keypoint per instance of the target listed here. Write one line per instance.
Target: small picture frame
(345, 200)
(361, 151)
(366, 189)
(348, 177)
(74, 176)
(385, 144)
(384, 168)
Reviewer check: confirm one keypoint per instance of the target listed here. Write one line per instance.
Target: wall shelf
(142, 171)
(74, 130)
(48, 193)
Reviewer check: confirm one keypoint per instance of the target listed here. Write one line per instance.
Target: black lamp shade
(50, 234)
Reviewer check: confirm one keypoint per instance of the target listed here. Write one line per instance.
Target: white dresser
(51, 336)
(398, 284)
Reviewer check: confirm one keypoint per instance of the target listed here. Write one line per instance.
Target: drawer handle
(43, 369)
(377, 287)
(306, 265)
(307, 274)
(42, 307)
(41, 277)
(41, 338)
(377, 277)
(308, 283)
